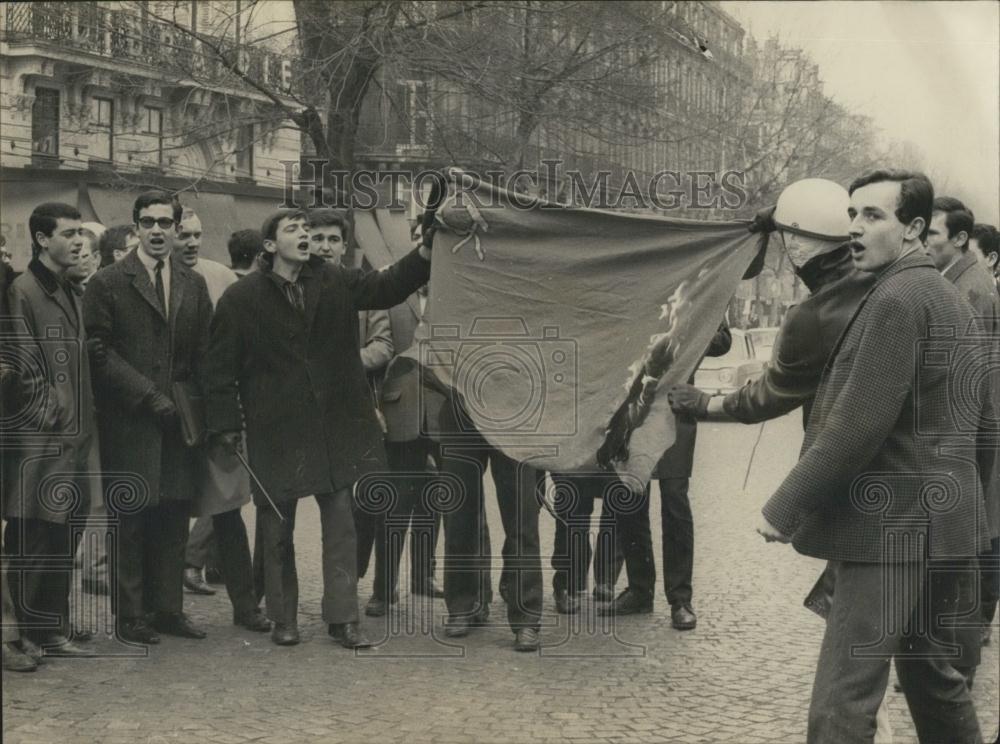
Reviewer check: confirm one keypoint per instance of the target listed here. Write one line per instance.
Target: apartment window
(152, 123)
(103, 115)
(244, 151)
(45, 123)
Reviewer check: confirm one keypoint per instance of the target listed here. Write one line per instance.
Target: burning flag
(560, 329)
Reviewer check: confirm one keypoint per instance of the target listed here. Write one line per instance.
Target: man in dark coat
(152, 314)
(875, 494)
(948, 244)
(48, 444)
(285, 346)
(948, 241)
(674, 474)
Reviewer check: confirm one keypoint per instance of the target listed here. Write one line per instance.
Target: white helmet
(814, 207)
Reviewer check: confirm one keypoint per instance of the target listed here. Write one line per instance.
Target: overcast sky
(927, 72)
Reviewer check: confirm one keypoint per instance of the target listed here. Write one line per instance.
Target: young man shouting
(285, 347)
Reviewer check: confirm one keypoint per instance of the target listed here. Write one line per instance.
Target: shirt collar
(149, 262)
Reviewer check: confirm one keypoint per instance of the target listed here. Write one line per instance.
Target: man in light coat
(224, 486)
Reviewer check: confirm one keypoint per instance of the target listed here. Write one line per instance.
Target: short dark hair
(244, 245)
(957, 217)
(149, 198)
(43, 220)
(916, 194)
(113, 239)
(327, 218)
(269, 230)
(987, 237)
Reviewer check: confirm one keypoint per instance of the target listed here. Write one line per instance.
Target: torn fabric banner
(560, 329)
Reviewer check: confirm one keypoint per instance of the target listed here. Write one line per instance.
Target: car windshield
(740, 351)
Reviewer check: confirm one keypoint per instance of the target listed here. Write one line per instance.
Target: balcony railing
(123, 35)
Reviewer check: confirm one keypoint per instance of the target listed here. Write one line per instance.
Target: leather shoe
(457, 626)
(82, 635)
(682, 617)
(194, 582)
(214, 576)
(136, 631)
(348, 635)
(178, 624)
(254, 621)
(377, 607)
(30, 649)
(284, 635)
(629, 602)
(526, 639)
(95, 586)
(15, 660)
(604, 593)
(566, 603)
(428, 589)
(61, 646)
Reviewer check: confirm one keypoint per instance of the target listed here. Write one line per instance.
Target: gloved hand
(229, 442)
(688, 399)
(162, 407)
(763, 221)
(97, 352)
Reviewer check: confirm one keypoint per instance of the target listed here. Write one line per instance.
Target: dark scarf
(827, 268)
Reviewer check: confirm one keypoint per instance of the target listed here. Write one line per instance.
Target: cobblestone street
(744, 675)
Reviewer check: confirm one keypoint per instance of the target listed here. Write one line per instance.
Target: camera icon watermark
(958, 371)
(43, 373)
(507, 380)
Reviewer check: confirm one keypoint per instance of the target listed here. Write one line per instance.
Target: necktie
(293, 291)
(160, 294)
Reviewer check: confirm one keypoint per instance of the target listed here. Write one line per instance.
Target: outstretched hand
(688, 399)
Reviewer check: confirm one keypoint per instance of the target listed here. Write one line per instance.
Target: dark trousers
(989, 580)
(340, 571)
(677, 527)
(573, 504)
(466, 568)
(409, 513)
(872, 620)
(150, 560)
(233, 547)
(201, 551)
(39, 590)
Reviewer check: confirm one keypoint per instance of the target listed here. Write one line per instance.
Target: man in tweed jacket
(874, 492)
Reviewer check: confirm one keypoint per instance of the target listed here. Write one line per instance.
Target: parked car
(763, 341)
(732, 370)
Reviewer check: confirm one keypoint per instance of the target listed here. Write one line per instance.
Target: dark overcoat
(875, 455)
(974, 282)
(310, 420)
(48, 440)
(146, 351)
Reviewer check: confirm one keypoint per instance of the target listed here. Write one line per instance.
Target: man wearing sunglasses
(152, 313)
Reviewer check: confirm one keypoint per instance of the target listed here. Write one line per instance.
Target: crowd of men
(297, 360)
